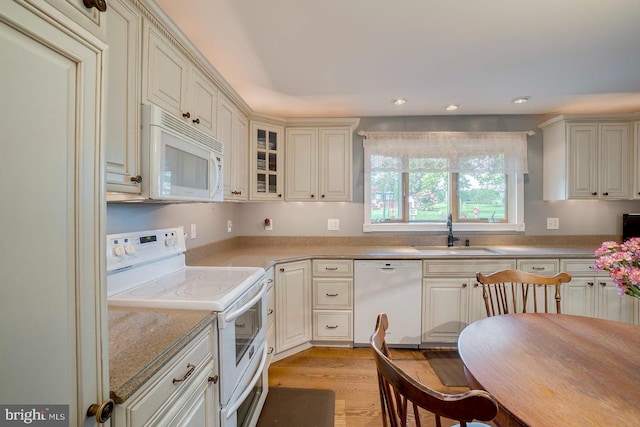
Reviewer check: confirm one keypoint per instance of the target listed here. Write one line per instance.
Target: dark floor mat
(448, 367)
(296, 407)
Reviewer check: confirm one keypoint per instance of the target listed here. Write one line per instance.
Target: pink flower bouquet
(622, 261)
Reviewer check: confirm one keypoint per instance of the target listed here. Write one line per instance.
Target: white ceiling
(350, 58)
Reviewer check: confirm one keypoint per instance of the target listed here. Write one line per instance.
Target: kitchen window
(413, 180)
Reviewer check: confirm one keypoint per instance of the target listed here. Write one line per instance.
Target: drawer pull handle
(331, 268)
(270, 311)
(331, 327)
(331, 295)
(187, 375)
(270, 350)
(241, 325)
(538, 268)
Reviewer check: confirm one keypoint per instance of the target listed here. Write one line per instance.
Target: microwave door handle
(233, 408)
(233, 315)
(214, 176)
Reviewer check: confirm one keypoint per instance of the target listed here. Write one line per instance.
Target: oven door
(246, 403)
(241, 336)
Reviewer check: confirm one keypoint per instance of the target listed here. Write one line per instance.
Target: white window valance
(498, 152)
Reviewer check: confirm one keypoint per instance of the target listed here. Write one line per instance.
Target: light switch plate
(333, 224)
(193, 231)
(553, 223)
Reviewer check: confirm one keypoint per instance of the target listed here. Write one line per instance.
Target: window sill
(457, 227)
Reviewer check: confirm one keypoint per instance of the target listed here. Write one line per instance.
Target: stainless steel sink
(461, 250)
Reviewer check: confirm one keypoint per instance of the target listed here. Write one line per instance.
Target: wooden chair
(515, 291)
(398, 390)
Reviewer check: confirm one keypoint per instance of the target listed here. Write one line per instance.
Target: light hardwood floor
(351, 373)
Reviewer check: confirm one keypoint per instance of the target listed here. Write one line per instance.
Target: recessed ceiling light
(399, 101)
(452, 107)
(521, 100)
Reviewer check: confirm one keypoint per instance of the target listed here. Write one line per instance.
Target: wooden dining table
(555, 369)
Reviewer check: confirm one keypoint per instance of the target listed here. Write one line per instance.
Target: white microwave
(179, 162)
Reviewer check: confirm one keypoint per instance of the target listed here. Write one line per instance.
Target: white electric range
(147, 269)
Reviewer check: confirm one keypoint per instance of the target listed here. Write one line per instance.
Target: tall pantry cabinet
(53, 329)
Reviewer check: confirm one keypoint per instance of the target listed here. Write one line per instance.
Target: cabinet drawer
(545, 267)
(332, 325)
(157, 394)
(333, 267)
(580, 267)
(459, 268)
(332, 293)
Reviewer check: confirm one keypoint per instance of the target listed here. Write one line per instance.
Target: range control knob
(171, 241)
(118, 250)
(129, 249)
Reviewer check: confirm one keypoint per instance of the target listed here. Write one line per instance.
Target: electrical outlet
(553, 223)
(229, 226)
(333, 224)
(268, 224)
(193, 231)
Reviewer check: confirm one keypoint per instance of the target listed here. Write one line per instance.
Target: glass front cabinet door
(267, 145)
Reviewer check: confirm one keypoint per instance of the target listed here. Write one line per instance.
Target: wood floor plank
(351, 374)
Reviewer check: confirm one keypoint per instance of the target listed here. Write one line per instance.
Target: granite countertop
(142, 340)
(266, 256)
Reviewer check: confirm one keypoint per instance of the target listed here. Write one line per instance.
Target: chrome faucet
(450, 237)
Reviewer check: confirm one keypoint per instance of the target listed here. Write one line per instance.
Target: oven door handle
(234, 408)
(233, 315)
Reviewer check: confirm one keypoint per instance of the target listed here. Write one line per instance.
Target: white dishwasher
(393, 287)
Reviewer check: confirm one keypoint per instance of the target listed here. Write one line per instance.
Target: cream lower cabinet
(332, 300)
(183, 393)
(593, 294)
(271, 314)
(293, 304)
(451, 297)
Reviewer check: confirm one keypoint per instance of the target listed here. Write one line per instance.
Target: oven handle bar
(233, 408)
(233, 315)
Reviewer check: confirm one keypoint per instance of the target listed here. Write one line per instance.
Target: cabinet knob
(464, 285)
(102, 411)
(186, 115)
(594, 194)
(213, 379)
(605, 194)
(137, 179)
(313, 196)
(101, 5)
(196, 121)
(279, 195)
(603, 284)
(323, 196)
(590, 283)
(281, 270)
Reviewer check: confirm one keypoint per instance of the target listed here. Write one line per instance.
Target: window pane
(386, 196)
(482, 196)
(428, 199)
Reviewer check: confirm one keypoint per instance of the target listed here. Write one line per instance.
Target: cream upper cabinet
(122, 104)
(267, 152)
(586, 159)
(173, 82)
(233, 132)
(636, 160)
(52, 298)
(318, 165)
